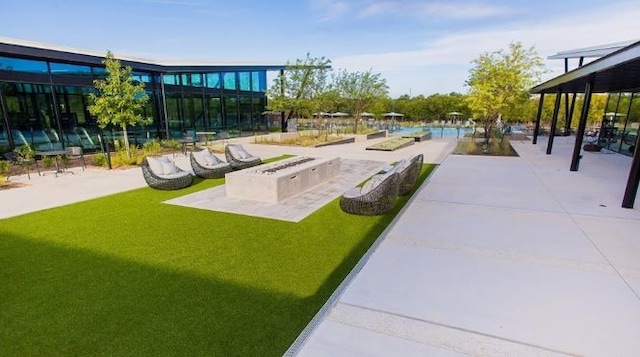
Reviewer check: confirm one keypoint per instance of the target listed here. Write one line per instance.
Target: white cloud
(448, 10)
(548, 37)
(330, 9)
(378, 8)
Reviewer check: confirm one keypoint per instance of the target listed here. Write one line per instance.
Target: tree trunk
(126, 141)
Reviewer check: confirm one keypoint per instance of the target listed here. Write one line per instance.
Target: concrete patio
(497, 257)
(492, 256)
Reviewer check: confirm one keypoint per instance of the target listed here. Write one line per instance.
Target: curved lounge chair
(239, 158)
(163, 174)
(377, 196)
(208, 165)
(408, 174)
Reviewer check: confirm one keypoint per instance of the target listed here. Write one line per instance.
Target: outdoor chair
(239, 158)
(208, 165)
(377, 195)
(161, 173)
(76, 152)
(24, 163)
(408, 171)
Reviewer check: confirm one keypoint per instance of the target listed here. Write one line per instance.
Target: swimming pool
(435, 131)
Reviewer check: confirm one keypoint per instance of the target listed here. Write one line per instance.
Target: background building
(44, 97)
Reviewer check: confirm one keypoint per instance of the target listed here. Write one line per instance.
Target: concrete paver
(499, 256)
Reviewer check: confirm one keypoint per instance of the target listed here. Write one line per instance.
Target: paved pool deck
(497, 256)
(493, 256)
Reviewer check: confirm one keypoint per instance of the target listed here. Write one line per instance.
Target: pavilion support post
(571, 109)
(633, 182)
(567, 117)
(283, 120)
(536, 128)
(575, 159)
(554, 121)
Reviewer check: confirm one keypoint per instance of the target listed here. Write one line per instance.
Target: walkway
(498, 257)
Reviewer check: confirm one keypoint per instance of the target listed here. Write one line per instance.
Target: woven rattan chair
(239, 158)
(377, 196)
(24, 163)
(207, 165)
(408, 175)
(171, 181)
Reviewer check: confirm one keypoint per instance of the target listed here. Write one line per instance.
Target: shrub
(151, 147)
(4, 170)
(472, 147)
(99, 160)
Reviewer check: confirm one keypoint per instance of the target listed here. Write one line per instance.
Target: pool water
(435, 132)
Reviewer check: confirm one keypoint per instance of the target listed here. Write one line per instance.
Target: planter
(393, 144)
(380, 134)
(420, 137)
(592, 147)
(337, 142)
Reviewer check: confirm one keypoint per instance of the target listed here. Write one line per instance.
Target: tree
(499, 82)
(360, 90)
(295, 91)
(119, 100)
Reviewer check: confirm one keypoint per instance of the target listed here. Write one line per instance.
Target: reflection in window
(213, 80)
(23, 65)
(171, 79)
(229, 79)
(69, 69)
(245, 80)
(196, 79)
(259, 81)
(141, 77)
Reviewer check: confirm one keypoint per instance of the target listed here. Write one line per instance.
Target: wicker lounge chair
(208, 165)
(163, 174)
(377, 196)
(408, 171)
(239, 158)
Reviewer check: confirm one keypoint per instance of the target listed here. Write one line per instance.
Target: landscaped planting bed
(392, 144)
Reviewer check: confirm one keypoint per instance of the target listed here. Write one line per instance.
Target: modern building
(617, 73)
(44, 97)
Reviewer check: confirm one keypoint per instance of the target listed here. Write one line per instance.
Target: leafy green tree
(119, 100)
(499, 82)
(297, 89)
(360, 90)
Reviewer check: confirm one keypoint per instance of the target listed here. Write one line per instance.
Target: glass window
(196, 79)
(213, 80)
(171, 79)
(141, 77)
(69, 69)
(259, 81)
(245, 81)
(99, 72)
(23, 65)
(186, 80)
(629, 136)
(229, 79)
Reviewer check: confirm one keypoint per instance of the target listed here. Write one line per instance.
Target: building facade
(44, 98)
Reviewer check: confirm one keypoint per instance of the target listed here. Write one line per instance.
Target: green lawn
(129, 275)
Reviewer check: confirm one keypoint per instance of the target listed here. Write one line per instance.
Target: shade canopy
(338, 114)
(366, 114)
(392, 114)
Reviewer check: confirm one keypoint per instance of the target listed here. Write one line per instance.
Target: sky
(418, 46)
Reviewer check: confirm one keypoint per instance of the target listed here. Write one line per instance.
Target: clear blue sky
(419, 46)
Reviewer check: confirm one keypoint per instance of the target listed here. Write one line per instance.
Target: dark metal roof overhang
(616, 72)
(58, 54)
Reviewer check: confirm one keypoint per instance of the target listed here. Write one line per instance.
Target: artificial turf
(129, 275)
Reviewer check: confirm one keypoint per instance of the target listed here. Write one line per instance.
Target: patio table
(55, 154)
